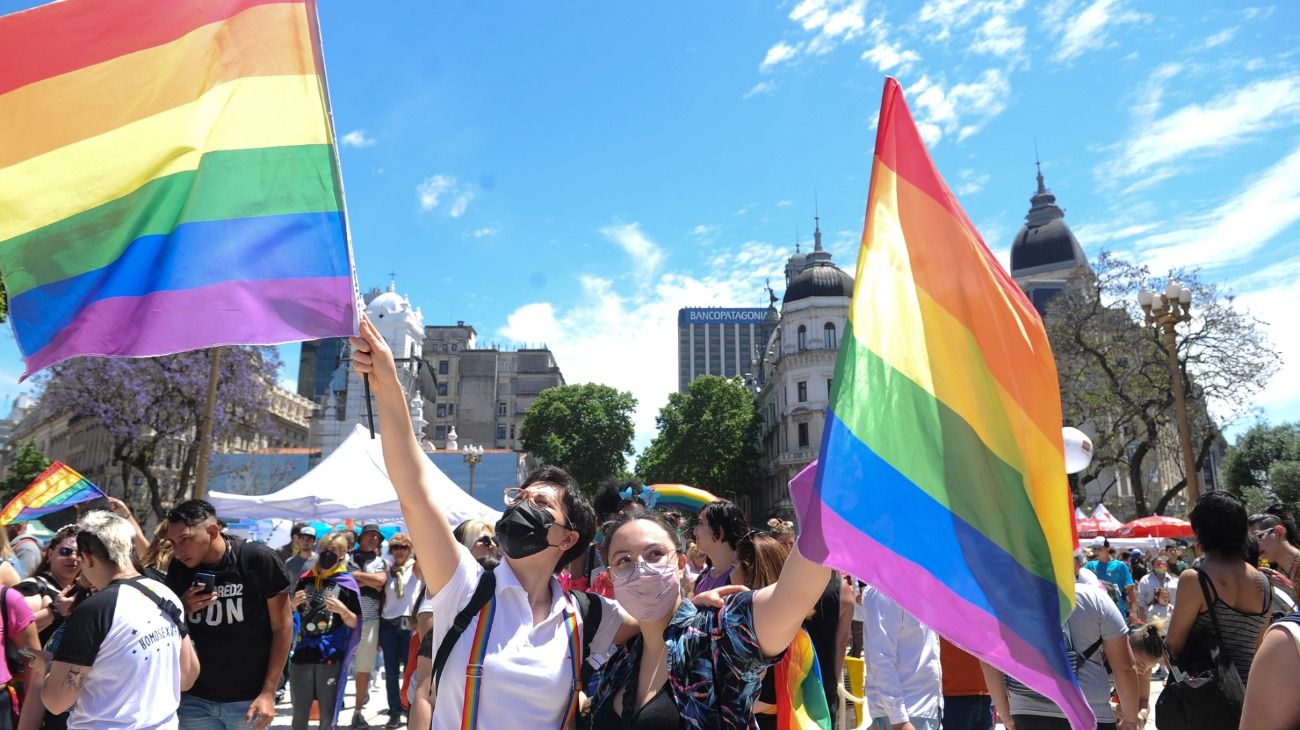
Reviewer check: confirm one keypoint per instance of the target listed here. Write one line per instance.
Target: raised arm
(780, 608)
(140, 541)
(408, 467)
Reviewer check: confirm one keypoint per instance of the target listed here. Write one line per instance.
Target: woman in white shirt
(401, 594)
(525, 640)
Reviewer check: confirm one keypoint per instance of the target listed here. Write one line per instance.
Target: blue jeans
(973, 712)
(395, 643)
(199, 714)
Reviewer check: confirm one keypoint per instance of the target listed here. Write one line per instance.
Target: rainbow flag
(168, 179)
(57, 487)
(801, 699)
(942, 476)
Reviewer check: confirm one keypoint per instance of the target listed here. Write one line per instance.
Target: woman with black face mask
(526, 637)
(328, 603)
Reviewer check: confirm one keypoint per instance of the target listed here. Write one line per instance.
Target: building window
(803, 391)
(442, 389)
(802, 339)
(451, 409)
(829, 337)
(512, 432)
(442, 410)
(501, 432)
(501, 409)
(803, 435)
(443, 367)
(829, 383)
(771, 413)
(439, 433)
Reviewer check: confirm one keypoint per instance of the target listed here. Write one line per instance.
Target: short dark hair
(297, 528)
(1277, 514)
(622, 518)
(1219, 521)
(192, 512)
(582, 518)
(726, 521)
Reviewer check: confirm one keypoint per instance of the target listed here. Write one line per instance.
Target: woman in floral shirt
(691, 668)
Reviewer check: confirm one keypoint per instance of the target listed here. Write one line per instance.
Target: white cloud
(439, 188)
(970, 182)
(886, 55)
(759, 89)
(641, 325)
(1087, 29)
(777, 54)
(1232, 118)
(1236, 228)
(784, 203)
(1272, 295)
(432, 190)
(961, 109)
(646, 255)
(997, 36)
(357, 138)
(705, 233)
(1221, 37)
(485, 232)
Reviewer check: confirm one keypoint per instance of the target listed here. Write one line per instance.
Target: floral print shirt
(715, 665)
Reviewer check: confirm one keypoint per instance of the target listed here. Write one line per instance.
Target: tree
(152, 409)
(586, 429)
(708, 438)
(1266, 457)
(28, 464)
(1114, 370)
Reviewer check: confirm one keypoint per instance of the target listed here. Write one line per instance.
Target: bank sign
(719, 315)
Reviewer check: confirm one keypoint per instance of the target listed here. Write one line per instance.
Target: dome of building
(1045, 242)
(825, 280)
(388, 303)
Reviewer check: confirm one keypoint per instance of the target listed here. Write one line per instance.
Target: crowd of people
(608, 614)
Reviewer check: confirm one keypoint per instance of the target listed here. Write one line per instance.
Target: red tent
(1096, 527)
(1155, 526)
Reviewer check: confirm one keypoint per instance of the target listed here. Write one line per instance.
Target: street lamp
(1166, 310)
(472, 455)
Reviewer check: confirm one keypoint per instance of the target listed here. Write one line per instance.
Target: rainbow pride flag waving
(942, 474)
(57, 487)
(801, 697)
(168, 179)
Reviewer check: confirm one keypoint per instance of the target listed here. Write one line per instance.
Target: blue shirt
(1116, 573)
(715, 666)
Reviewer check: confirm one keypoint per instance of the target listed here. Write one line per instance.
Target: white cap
(308, 530)
(1097, 542)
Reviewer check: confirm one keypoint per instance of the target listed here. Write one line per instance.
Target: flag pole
(205, 428)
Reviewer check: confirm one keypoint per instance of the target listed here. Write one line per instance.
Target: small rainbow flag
(168, 180)
(57, 487)
(801, 699)
(942, 476)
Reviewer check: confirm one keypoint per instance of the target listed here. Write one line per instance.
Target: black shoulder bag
(169, 609)
(1207, 700)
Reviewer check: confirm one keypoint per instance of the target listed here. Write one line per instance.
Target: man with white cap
(304, 555)
(1082, 574)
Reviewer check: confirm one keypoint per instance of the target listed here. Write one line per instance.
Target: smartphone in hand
(207, 582)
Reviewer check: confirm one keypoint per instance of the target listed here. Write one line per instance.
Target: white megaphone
(1078, 450)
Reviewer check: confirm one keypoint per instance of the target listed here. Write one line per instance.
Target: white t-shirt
(395, 607)
(134, 653)
(527, 674)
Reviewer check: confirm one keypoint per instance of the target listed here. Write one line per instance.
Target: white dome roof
(388, 303)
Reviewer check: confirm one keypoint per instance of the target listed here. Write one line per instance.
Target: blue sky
(574, 173)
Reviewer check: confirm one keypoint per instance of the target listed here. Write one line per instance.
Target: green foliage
(586, 429)
(1260, 451)
(708, 438)
(28, 464)
(1284, 480)
(1257, 499)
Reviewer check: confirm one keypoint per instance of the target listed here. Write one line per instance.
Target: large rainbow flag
(168, 179)
(56, 488)
(801, 696)
(942, 476)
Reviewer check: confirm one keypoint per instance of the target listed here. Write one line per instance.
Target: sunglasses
(398, 547)
(67, 552)
(486, 541)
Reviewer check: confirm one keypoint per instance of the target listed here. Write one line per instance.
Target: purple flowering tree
(152, 409)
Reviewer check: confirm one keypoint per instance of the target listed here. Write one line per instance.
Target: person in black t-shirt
(241, 628)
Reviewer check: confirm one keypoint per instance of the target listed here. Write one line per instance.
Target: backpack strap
(169, 609)
(486, 589)
(591, 612)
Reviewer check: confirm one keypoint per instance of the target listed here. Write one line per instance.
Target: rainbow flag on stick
(57, 487)
(942, 475)
(168, 179)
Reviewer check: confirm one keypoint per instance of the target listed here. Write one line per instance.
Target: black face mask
(328, 560)
(522, 530)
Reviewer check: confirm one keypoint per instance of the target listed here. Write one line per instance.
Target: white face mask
(650, 592)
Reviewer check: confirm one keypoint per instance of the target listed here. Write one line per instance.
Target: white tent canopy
(350, 483)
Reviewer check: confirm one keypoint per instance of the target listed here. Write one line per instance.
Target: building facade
(719, 341)
(796, 371)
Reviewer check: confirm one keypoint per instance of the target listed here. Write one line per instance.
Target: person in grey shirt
(1096, 623)
(303, 558)
(27, 549)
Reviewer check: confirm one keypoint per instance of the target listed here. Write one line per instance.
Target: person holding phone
(328, 602)
(125, 655)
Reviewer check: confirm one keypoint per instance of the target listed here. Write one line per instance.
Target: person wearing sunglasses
(479, 537)
(688, 667)
(525, 635)
(401, 596)
(49, 590)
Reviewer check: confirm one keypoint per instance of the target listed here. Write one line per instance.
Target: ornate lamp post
(1166, 310)
(472, 455)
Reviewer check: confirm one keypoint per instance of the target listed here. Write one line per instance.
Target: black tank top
(660, 713)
